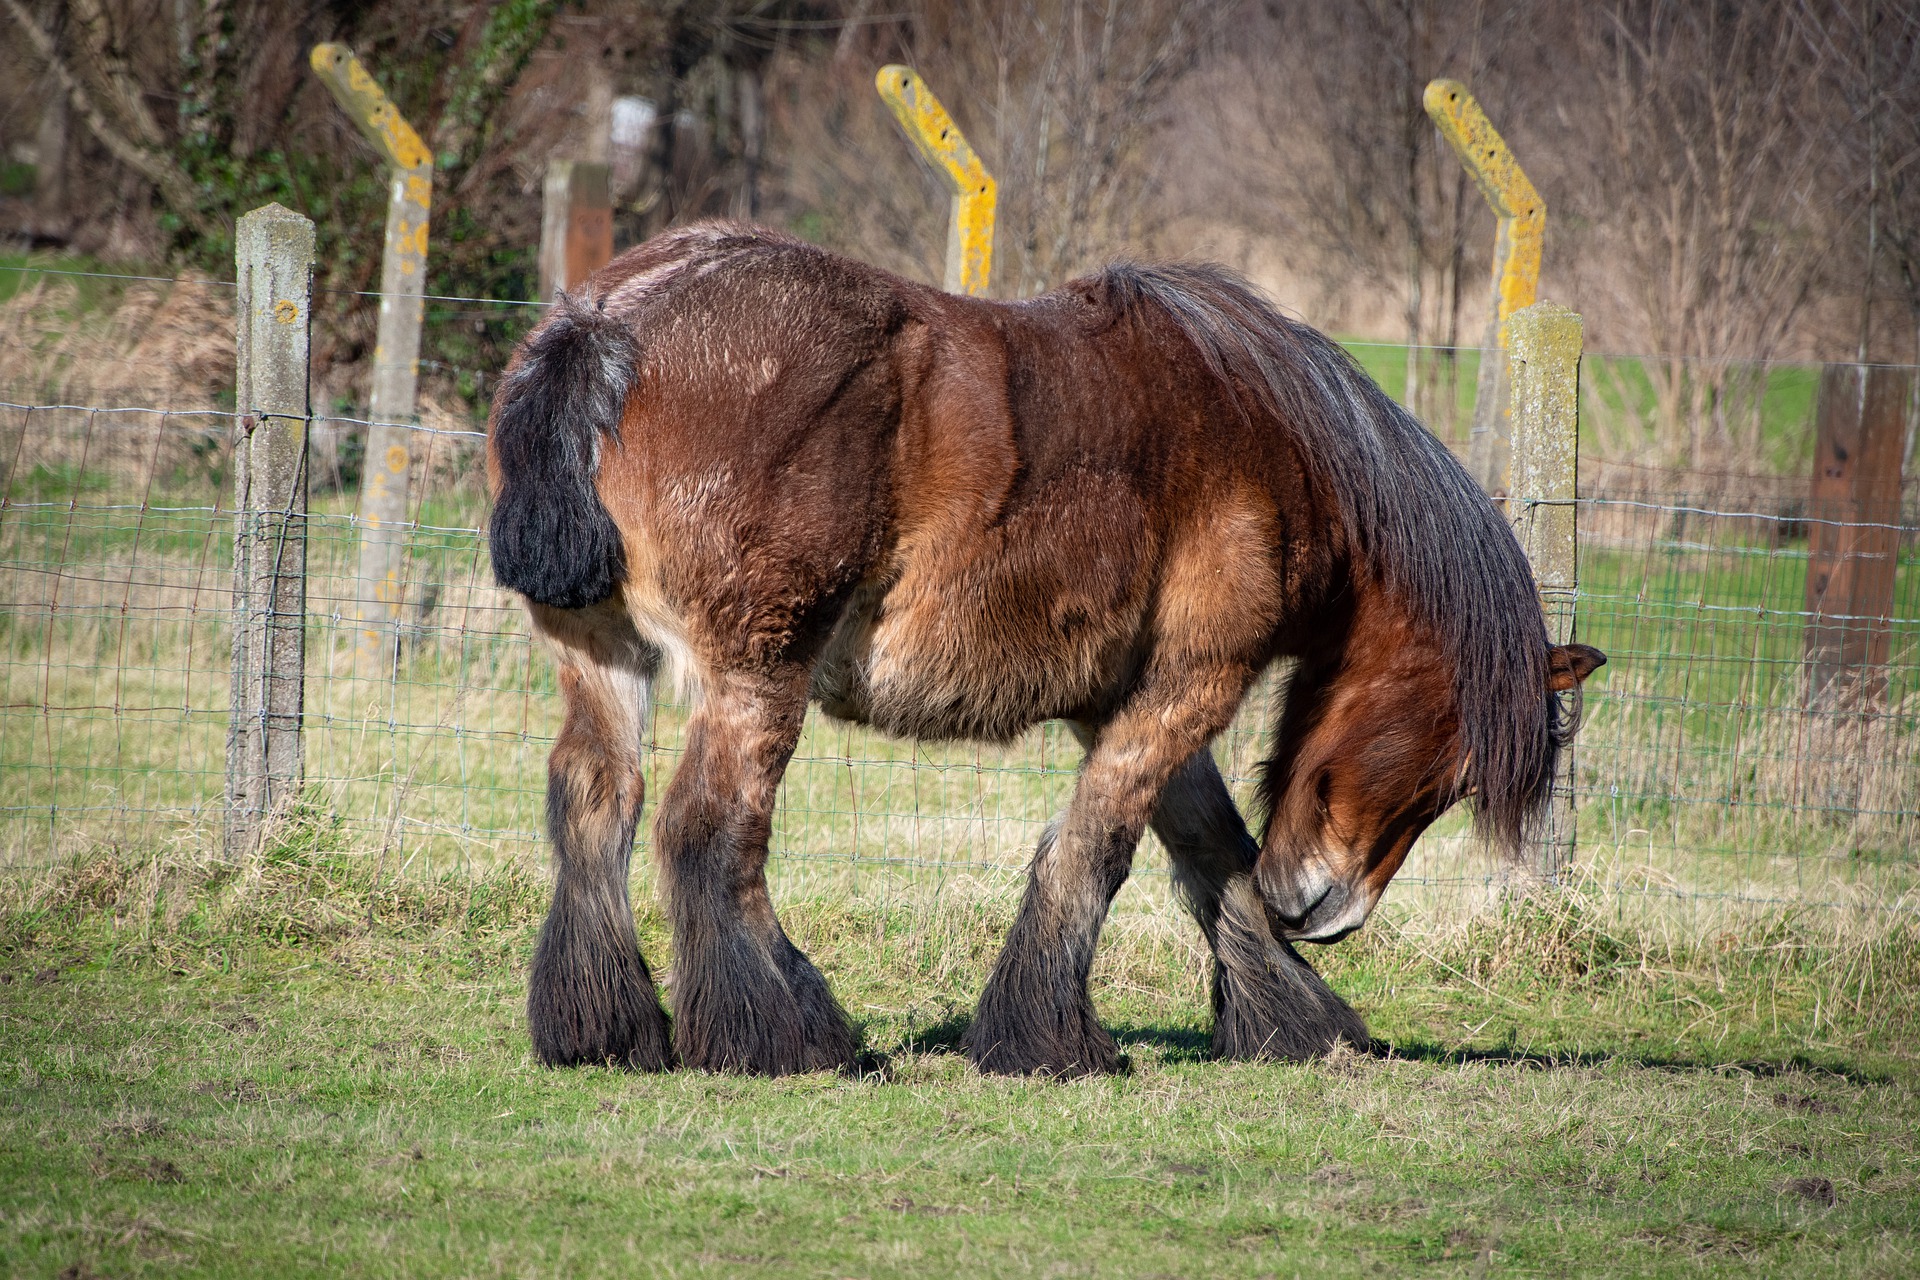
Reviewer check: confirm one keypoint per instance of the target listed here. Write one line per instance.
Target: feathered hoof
(734, 1016)
(614, 1022)
(760, 1050)
(1003, 1050)
(1282, 1011)
(1240, 1039)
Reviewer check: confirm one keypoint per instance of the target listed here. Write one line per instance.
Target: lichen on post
(273, 260)
(396, 352)
(1543, 356)
(1519, 236)
(939, 141)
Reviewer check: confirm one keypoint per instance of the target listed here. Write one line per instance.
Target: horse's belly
(954, 676)
(982, 642)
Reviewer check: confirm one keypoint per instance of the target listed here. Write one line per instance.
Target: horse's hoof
(1004, 1056)
(832, 1048)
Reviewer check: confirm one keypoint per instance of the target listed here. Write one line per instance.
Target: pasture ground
(301, 1066)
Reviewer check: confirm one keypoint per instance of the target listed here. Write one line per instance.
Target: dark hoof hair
(1249, 1023)
(1035, 1020)
(733, 1014)
(1268, 1003)
(591, 1000)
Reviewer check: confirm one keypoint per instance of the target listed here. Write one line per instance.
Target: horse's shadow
(1173, 1044)
(1466, 1055)
(1185, 1045)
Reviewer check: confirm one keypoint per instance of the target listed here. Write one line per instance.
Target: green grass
(300, 1066)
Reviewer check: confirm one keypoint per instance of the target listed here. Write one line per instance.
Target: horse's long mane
(1412, 516)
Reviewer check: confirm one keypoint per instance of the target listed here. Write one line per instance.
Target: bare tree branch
(108, 70)
(176, 190)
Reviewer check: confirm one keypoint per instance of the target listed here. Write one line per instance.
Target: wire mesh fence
(1710, 764)
(1711, 768)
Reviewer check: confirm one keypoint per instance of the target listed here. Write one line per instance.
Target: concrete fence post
(1520, 234)
(1543, 362)
(396, 353)
(576, 224)
(941, 144)
(273, 252)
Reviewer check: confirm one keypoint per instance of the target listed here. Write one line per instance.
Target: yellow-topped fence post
(939, 140)
(396, 353)
(1521, 231)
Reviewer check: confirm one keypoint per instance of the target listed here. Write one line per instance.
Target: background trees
(1728, 184)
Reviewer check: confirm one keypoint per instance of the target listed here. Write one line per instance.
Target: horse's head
(1370, 752)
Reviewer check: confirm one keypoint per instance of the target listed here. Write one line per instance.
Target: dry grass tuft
(303, 887)
(158, 346)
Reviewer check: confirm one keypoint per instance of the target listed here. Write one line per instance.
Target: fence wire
(1710, 767)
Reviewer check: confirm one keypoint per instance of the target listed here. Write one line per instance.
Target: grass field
(293, 1067)
(1700, 1057)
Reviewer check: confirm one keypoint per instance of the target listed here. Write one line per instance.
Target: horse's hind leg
(744, 997)
(591, 999)
(1267, 1001)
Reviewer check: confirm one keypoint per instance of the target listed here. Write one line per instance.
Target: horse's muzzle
(1309, 904)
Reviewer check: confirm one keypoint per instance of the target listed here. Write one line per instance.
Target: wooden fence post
(940, 142)
(1854, 535)
(1543, 352)
(273, 253)
(1519, 236)
(396, 353)
(576, 224)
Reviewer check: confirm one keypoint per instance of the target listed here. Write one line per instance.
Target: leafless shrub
(1711, 155)
(1063, 100)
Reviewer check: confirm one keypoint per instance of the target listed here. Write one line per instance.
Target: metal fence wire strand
(1709, 769)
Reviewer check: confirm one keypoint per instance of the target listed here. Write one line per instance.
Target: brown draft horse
(779, 475)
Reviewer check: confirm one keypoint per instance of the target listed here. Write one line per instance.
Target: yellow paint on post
(361, 97)
(396, 352)
(1521, 230)
(940, 142)
(1522, 213)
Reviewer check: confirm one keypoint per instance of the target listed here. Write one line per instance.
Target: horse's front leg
(1267, 1001)
(744, 997)
(1036, 1015)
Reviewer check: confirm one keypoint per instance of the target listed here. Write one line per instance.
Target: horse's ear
(1568, 665)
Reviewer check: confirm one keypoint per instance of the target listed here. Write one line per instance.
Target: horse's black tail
(551, 537)
(1412, 514)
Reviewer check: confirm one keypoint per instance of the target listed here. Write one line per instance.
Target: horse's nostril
(1296, 915)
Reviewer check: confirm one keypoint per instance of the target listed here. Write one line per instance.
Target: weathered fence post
(576, 224)
(1543, 352)
(1854, 536)
(1518, 239)
(940, 142)
(273, 257)
(396, 352)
